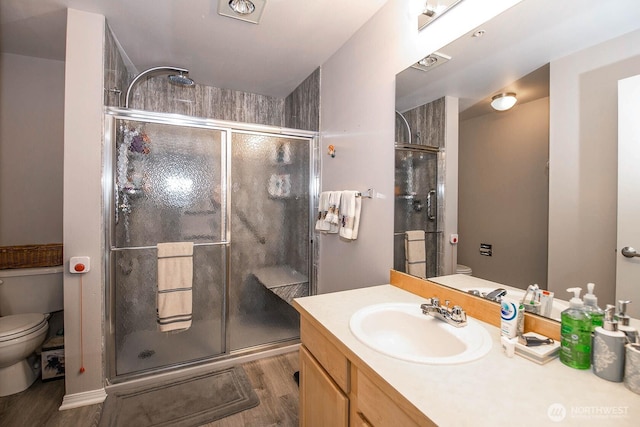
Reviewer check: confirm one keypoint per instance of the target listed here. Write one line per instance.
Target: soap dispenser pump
(608, 348)
(623, 321)
(591, 307)
(575, 334)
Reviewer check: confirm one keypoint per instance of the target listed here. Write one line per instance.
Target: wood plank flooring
(272, 379)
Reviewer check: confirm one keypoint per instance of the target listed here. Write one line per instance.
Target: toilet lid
(18, 325)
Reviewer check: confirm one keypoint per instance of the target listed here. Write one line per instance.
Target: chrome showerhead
(181, 79)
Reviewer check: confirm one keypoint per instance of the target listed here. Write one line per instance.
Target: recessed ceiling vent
(432, 61)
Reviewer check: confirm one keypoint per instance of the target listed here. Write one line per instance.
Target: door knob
(629, 252)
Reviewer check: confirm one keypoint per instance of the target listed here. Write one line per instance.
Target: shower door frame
(111, 114)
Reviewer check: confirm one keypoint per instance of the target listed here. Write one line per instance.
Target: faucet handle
(435, 302)
(458, 314)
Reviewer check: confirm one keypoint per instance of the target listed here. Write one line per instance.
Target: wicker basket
(30, 256)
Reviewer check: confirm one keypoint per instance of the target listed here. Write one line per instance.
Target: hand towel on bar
(351, 206)
(334, 209)
(323, 207)
(175, 279)
(415, 254)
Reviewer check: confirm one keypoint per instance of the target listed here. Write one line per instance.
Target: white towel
(350, 208)
(175, 279)
(333, 217)
(415, 254)
(323, 206)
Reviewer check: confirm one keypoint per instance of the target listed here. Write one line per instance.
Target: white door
(628, 268)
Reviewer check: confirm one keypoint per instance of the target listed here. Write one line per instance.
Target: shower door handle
(430, 214)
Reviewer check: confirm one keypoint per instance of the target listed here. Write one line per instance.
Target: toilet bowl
(20, 336)
(463, 269)
(27, 296)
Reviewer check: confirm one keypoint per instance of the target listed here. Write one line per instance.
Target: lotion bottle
(575, 334)
(623, 322)
(608, 348)
(591, 307)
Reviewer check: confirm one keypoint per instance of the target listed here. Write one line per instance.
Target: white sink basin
(402, 331)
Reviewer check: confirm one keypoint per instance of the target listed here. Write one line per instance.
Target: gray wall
(31, 143)
(583, 164)
(503, 194)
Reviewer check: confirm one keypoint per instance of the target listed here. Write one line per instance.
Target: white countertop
(492, 391)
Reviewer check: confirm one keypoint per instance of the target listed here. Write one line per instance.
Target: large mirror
(537, 184)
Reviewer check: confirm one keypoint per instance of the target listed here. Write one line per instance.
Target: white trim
(86, 398)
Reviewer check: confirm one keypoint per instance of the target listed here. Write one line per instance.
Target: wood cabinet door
(322, 403)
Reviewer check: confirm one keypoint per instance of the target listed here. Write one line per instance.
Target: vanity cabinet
(340, 390)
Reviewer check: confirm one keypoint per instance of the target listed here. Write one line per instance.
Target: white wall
(357, 117)
(83, 222)
(583, 165)
(31, 143)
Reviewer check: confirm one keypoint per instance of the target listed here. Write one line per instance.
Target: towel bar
(366, 195)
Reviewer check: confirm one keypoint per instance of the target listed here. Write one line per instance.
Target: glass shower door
(168, 187)
(416, 207)
(270, 245)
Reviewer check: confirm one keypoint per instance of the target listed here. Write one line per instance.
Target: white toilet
(463, 269)
(27, 296)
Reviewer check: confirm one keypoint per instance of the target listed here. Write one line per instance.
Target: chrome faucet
(496, 294)
(454, 316)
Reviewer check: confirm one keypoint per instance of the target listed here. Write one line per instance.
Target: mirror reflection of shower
(177, 75)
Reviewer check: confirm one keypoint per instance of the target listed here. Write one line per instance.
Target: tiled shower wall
(427, 123)
(300, 110)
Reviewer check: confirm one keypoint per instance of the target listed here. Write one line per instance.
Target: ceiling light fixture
(243, 7)
(503, 101)
(244, 10)
(431, 61)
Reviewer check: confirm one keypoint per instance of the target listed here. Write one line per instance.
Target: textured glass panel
(270, 245)
(168, 184)
(416, 177)
(139, 344)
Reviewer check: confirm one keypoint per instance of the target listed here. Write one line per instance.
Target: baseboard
(85, 398)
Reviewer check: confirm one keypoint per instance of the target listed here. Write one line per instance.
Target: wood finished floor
(272, 379)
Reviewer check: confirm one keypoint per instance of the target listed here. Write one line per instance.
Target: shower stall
(419, 174)
(243, 194)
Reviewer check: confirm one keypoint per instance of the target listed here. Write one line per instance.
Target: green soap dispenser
(575, 334)
(591, 307)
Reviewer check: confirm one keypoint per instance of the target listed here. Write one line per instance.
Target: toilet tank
(31, 290)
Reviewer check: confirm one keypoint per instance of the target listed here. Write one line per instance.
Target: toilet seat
(20, 325)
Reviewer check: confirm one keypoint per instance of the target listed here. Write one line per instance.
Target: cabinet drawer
(380, 409)
(326, 353)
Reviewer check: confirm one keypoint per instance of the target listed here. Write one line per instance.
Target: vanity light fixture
(244, 10)
(433, 9)
(503, 101)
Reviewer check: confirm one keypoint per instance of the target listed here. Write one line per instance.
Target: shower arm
(406, 123)
(145, 73)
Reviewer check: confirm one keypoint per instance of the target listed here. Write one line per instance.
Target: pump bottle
(575, 334)
(623, 322)
(591, 307)
(608, 348)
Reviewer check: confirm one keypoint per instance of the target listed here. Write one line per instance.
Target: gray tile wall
(302, 106)
(427, 123)
(116, 75)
